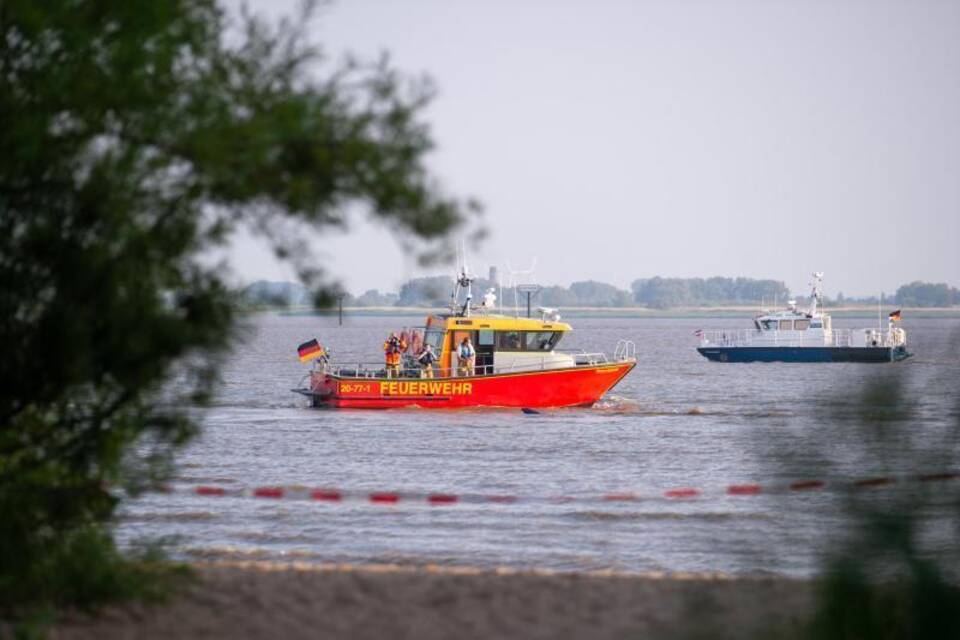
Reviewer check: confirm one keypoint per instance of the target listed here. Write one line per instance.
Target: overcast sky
(618, 140)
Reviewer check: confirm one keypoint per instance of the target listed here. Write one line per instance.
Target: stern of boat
(319, 386)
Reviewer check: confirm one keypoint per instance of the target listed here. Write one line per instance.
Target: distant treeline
(654, 293)
(663, 293)
(927, 294)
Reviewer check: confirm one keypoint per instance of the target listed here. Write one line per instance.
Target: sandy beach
(269, 600)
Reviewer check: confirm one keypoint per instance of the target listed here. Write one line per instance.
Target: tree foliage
(263, 293)
(659, 293)
(591, 293)
(431, 291)
(374, 298)
(663, 293)
(434, 291)
(887, 572)
(927, 294)
(136, 137)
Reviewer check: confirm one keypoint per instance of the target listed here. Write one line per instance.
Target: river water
(677, 421)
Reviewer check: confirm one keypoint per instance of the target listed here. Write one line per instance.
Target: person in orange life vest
(466, 355)
(392, 349)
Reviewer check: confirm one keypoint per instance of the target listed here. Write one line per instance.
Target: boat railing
(830, 338)
(584, 358)
(893, 337)
(625, 350)
(754, 338)
(731, 338)
(840, 338)
(378, 370)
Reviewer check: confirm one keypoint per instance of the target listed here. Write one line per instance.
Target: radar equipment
(523, 282)
(548, 314)
(489, 300)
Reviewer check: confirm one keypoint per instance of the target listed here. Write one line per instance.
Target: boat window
(801, 325)
(769, 324)
(434, 339)
(816, 325)
(541, 340)
(485, 338)
(786, 325)
(509, 341)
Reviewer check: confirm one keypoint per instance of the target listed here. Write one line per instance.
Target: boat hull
(803, 354)
(579, 386)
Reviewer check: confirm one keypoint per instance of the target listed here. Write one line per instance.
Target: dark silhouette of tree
(135, 137)
(885, 576)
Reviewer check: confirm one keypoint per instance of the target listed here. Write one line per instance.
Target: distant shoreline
(625, 312)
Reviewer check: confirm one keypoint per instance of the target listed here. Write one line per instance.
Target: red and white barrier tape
(441, 499)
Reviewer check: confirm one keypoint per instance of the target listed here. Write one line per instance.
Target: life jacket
(466, 351)
(391, 349)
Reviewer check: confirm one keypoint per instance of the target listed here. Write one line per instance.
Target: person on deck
(392, 349)
(426, 359)
(466, 356)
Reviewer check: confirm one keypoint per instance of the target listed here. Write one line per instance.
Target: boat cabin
(792, 319)
(502, 343)
(793, 326)
(781, 329)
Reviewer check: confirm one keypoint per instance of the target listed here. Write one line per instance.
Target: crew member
(466, 355)
(426, 359)
(392, 349)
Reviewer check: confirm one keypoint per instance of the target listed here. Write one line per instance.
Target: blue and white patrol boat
(795, 335)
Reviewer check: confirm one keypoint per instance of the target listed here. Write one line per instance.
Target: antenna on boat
(879, 312)
(817, 294)
(463, 282)
(454, 295)
(522, 281)
(500, 290)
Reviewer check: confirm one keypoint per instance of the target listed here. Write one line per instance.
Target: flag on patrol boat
(310, 350)
(895, 316)
(698, 333)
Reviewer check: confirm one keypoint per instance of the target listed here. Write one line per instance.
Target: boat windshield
(542, 340)
(434, 339)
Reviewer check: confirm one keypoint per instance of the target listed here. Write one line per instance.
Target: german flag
(895, 316)
(310, 350)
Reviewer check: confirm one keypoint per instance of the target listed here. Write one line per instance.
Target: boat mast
(817, 294)
(463, 281)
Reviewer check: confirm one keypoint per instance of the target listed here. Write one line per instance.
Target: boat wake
(619, 405)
